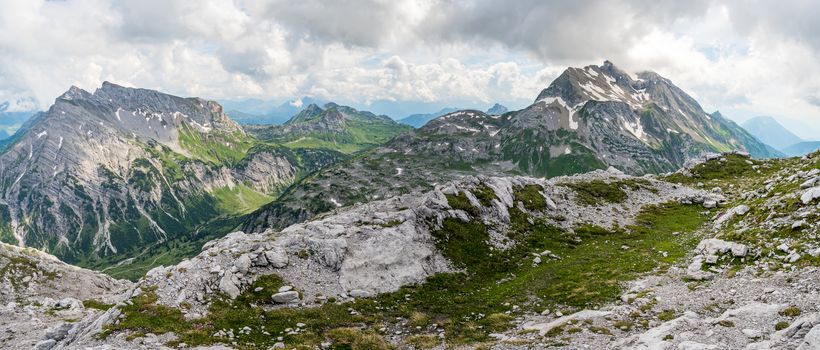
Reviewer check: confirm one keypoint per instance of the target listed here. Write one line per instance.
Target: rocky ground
(746, 277)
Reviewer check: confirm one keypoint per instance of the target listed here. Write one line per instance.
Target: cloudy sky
(745, 58)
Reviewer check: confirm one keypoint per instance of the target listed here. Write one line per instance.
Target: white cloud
(744, 58)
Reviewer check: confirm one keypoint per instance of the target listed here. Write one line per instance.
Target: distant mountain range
(418, 120)
(768, 130)
(588, 118)
(801, 148)
(263, 112)
(771, 132)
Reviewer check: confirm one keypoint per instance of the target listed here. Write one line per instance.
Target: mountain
(802, 148)
(588, 118)
(497, 109)
(265, 112)
(333, 127)
(418, 120)
(109, 175)
(768, 130)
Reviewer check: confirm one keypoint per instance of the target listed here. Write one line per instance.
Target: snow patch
(635, 128)
(41, 134)
(573, 124)
(335, 202)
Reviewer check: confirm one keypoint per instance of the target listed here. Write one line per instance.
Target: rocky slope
(588, 118)
(334, 127)
(42, 297)
(721, 254)
(107, 173)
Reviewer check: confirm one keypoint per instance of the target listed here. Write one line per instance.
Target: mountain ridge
(588, 118)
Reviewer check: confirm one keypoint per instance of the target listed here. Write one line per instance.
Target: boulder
(358, 293)
(228, 286)
(277, 258)
(714, 246)
(69, 303)
(285, 297)
(810, 195)
(242, 264)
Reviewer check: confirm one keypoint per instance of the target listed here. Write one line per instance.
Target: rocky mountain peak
(310, 112)
(74, 93)
(575, 86)
(497, 109)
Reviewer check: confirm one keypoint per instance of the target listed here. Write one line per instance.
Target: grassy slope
(737, 174)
